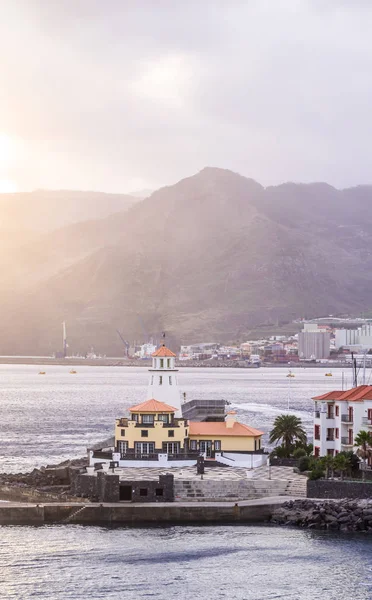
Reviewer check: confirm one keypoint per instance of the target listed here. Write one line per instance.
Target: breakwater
(343, 515)
(255, 511)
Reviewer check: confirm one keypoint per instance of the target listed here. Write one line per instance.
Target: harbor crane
(125, 342)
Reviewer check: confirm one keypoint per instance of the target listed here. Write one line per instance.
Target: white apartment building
(338, 418)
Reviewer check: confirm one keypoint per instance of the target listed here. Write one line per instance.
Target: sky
(120, 95)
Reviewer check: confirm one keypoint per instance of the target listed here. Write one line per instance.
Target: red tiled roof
(357, 394)
(163, 351)
(329, 396)
(219, 428)
(153, 406)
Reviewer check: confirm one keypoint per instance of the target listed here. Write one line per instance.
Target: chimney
(230, 419)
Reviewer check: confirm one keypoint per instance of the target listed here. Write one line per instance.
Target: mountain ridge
(209, 257)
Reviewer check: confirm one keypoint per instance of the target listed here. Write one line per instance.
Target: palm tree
(328, 462)
(287, 428)
(363, 441)
(341, 463)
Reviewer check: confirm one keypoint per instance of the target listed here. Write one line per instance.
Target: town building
(345, 337)
(314, 345)
(156, 433)
(338, 418)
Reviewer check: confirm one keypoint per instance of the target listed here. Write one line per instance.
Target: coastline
(249, 511)
(120, 362)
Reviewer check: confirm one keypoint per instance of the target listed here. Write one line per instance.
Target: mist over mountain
(208, 258)
(45, 210)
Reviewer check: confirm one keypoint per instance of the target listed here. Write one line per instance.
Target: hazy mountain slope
(45, 210)
(207, 258)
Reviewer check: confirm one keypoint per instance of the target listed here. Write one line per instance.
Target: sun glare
(7, 154)
(7, 186)
(7, 149)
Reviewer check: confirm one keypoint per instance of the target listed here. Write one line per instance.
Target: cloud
(104, 94)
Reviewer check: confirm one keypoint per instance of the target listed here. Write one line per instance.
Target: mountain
(45, 210)
(208, 258)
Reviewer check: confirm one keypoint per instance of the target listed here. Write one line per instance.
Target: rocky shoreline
(50, 483)
(335, 515)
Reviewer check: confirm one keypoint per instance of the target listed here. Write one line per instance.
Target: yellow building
(230, 436)
(151, 429)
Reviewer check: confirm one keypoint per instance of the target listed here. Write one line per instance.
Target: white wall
(250, 461)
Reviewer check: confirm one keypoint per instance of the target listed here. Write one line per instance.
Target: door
(125, 493)
(351, 437)
(205, 447)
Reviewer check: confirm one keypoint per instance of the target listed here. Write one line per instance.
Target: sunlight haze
(118, 96)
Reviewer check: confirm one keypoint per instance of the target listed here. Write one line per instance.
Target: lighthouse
(163, 384)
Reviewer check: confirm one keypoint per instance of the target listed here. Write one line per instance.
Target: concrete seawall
(251, 511)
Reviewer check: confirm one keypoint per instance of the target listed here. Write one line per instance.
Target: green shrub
(316, 473)
(299, 452)
(304, 463)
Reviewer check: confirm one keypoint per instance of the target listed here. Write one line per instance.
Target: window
(316, 451)
(170, 380)
(330, 452)
(336, 451)
(255, 445)
(144, 447)
(162, 363)
(317, 432)
(330, 435)
(159, 492)
(337, 411)
(171, 447)
(143, 491)
(147, 419)
(164, 418)
(122, 447)
(168, 363)
(144, 433)
(171, 433)
(160, 380)
(186, 433)
(337, 433)
(122, 432)
(217, 445)
(134, 417)
(370, 414)
(193, 445)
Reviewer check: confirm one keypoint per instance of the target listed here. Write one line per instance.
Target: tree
(288, 429)
(363, 441)
(329, 464)
(341, 463)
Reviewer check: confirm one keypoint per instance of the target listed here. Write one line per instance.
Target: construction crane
(64, 339)
(125, 342)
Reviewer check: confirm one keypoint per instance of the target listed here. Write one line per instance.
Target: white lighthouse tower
(163, 384)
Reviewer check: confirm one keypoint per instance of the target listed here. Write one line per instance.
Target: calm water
(242, 563)
(49, 418)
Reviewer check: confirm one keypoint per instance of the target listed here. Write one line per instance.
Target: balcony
(330, 415)
(347, 419)
(330, 438)
(367, 421)
(346, 442)
(133, 455)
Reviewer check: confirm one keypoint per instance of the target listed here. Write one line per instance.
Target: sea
(46, 419)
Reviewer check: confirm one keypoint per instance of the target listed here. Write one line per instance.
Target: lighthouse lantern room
(163, 384)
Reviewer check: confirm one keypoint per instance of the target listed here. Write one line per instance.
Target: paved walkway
(211, 473)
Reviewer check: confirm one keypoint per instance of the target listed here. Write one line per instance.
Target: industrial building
(314, 345)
